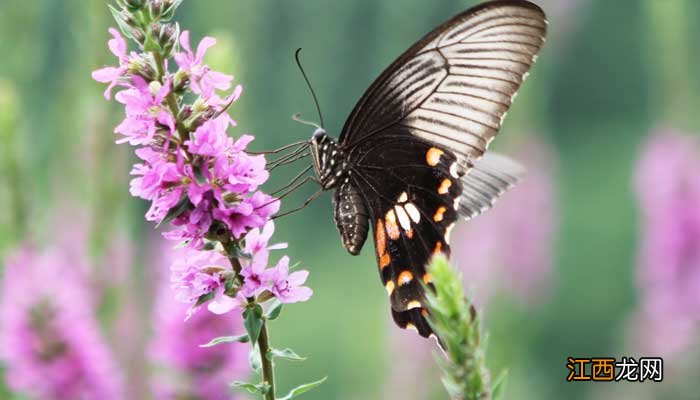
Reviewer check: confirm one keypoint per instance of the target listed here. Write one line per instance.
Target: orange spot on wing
(433, 156)
(438, 248)
(380, 238)
(405, 277)
(440, 214)
(413, 304)
(427, 278)
(392, 229)
(384, 260)
(390, 287)
(425, 312)
(409, 233)
(444, 186)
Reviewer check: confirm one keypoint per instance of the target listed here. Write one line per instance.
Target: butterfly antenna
(308, 83)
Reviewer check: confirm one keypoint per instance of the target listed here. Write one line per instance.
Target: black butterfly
(410, 159)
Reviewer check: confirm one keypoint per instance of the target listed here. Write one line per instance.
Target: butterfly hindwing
(411, 201)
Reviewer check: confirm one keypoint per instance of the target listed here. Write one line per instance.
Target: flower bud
(128, 19)
(169, 8)
(136, 4)
(181, 81)
(141, 67)
(185, 113)
(167, 38)
(138, 36)
(132, 5)
(155, 9)
(231, 199)
(154, 87)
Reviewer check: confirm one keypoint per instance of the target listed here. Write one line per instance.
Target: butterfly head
(329, 160)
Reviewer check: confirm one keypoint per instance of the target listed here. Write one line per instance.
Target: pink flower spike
(287, 287)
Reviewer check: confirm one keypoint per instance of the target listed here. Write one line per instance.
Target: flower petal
(204, 45)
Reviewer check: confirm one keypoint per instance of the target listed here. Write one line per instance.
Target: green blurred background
(611, 72)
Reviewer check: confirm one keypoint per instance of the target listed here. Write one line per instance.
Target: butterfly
(411, 158)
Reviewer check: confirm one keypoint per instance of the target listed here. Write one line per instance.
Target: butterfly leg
(303, 206)
(293, 181)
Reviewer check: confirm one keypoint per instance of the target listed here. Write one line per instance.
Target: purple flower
(183, 368)
(668, 191)
(50, 341)
(257, 279)
(246, 173)
(195, 274)
(144, 110)
(251, 212)
(204, 81)
(211, 139)
(112, 75)
(287, 287)
(256, 243)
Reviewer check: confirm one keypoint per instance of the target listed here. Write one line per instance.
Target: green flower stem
(267, 368)
(268, 373)
(170, 98)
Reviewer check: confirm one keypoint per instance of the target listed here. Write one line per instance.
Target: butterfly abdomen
(351, 217)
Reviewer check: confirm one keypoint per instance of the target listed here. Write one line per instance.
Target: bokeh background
(560, 268)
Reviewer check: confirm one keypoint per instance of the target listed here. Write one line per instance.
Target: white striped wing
(454, 87)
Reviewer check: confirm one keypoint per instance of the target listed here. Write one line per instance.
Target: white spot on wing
(413, 212)
(403, 197)
(448, 231)
(403, 218)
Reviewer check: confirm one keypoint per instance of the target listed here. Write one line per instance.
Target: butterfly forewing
(414, 142)
(454, 86)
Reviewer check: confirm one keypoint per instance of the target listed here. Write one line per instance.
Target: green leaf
(287, 354)
(499, 387)
(253, 322)
(226, 339)
(274, 310)
(254, 359)
(175, 212)
(170, 11)
(251, 387)
(302, 389)
(204, 298)
(126, 29)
